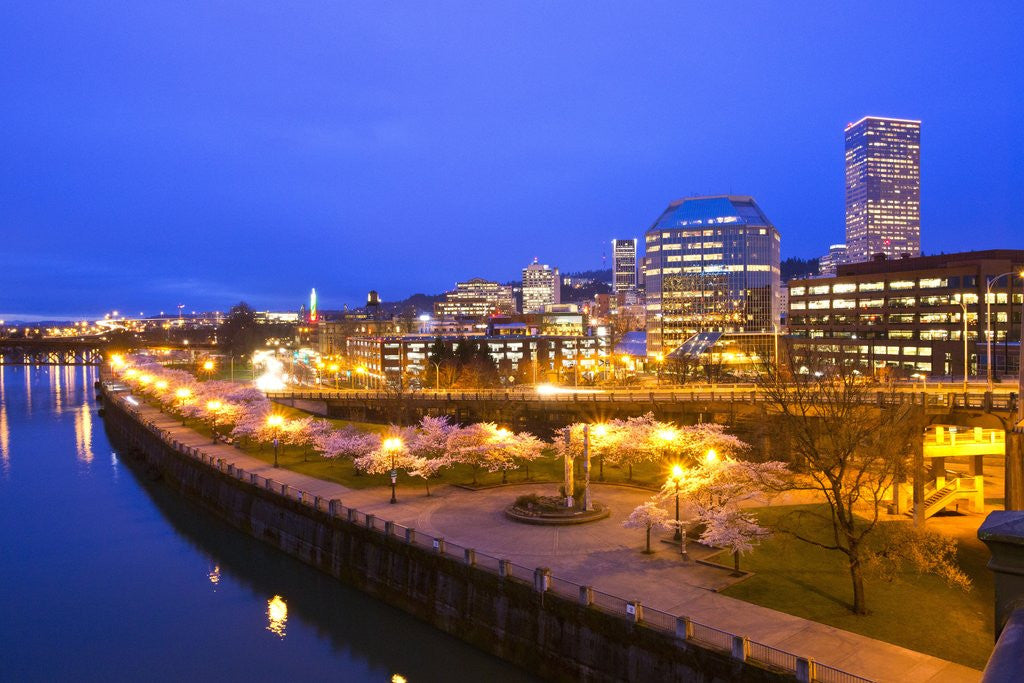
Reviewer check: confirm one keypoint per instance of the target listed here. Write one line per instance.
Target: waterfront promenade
(605, 556)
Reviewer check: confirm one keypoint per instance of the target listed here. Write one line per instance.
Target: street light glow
(275, 421)
(182, 393)
(711, 456)
(392, 444)
(677, 472)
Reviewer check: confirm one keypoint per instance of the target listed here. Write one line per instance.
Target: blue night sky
(153, 154)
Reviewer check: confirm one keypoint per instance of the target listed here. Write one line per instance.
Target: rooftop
(712, 210)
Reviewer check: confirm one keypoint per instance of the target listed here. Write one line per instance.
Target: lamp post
(214, 408)
(600, 431)
(437, 375)
(988, 321)
(334, 368)
(963, 305)
(182, 394)
(391, 445)
(275, 422)
(677, 476)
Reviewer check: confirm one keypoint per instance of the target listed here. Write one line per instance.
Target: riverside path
(603, 555)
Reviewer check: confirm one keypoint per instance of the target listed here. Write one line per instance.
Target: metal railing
(685, 629)
(727, 394)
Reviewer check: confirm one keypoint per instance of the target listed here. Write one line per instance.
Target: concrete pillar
(635, 611)
(541, 579)
(284, 490)
(389, 528)
(316, 502)
(369, 521)
(470, 557)
(352, 513)
(269, 484)
(1014, 470)
(332, 507)
(1003, 533)
(586, 596)
(439, 546)
(740, 648)
(805, 672)
(410, 536)
(978, 504)
(977, 465)
(919, 478)
(503, 569)
(252, 478)
(684, 628)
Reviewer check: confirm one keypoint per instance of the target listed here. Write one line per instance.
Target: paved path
(605, 555)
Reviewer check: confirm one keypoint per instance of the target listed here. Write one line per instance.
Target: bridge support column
(919, 482)
(1014, 492)
(977, 465)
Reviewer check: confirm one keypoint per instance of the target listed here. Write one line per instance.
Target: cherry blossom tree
(648, 516)
(637, 442)
(731, 528)
(430, 446)
(348, 442)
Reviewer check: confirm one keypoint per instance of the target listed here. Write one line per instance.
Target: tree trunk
(426, 480)
(648, 540)
(857, 577)
(736, 560)
(631, 471)
(504, 476)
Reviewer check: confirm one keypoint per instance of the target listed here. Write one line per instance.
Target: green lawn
(919, 612)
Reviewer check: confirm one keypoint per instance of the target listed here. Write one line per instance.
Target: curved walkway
(607, 556)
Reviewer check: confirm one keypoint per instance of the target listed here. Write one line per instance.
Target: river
(106, 575)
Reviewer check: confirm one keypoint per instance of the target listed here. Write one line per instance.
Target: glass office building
(883, 188)
(711, 265)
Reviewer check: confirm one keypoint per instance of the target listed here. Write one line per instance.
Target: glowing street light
(600, 431)
(392, 445)
(676, 478)
(275, 422)
(711, 457)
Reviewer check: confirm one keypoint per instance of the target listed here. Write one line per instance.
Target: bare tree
(851, 450)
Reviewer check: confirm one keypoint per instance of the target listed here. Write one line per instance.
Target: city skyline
(160, 180)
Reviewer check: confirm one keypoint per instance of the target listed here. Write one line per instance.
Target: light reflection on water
(83, 433)
(277, 616)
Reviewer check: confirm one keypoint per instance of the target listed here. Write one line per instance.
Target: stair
(954, 490)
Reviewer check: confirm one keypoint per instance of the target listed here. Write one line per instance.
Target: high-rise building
(477, 298)
(837, 255)
(624, 272)
(883, 188)
(541, 287)
(712, 265)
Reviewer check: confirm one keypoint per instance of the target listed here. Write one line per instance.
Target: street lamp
(214, 407)
(437, 375)
(711, 457)
(334, 368)
(988, 320)
(275, 422)
(600, 431)
(677, 477)
(391, 445)
(182, 394)
(963, 305)
(208, 368)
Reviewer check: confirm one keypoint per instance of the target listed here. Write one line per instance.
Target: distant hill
(798, 267)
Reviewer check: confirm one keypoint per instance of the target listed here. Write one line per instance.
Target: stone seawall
(508, 616)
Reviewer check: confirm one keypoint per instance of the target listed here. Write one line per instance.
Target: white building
(837, 255)
(624, 273)
(541, 287)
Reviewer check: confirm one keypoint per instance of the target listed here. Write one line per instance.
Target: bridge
(71, 350)
(545, 411)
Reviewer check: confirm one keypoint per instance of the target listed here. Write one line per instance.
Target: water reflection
(5, 438)
(277, 615)
(83, 433)
(56, 389)
(214, 575)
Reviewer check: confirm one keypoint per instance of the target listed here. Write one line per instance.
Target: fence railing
(685, 629)
(728, 394)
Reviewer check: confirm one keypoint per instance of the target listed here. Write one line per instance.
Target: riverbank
(660, 583)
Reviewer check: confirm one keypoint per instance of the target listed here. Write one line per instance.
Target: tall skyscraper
(883, 188)
(541, 287)
(712, 265)
(624, 271)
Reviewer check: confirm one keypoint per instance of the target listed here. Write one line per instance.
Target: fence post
(541, 579)
(439, 546)
(269, 484)
(369, 521)
(284, 490)
(740, 648)
(586, 596)
(635, 610)
(252, 477)
(389, 528)
(332, 507)
(470, 556)
(684, 628)
(503, 569)
(316, 502)
(805, 670)
(410, 536)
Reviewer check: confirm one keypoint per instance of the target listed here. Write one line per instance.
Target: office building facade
(541, 287)
(624, 272)
(477, 298)
(837, 255)
(909, 314)
(711, 265)
(883, 188)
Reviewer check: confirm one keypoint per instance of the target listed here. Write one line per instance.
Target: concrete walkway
(605, 555)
